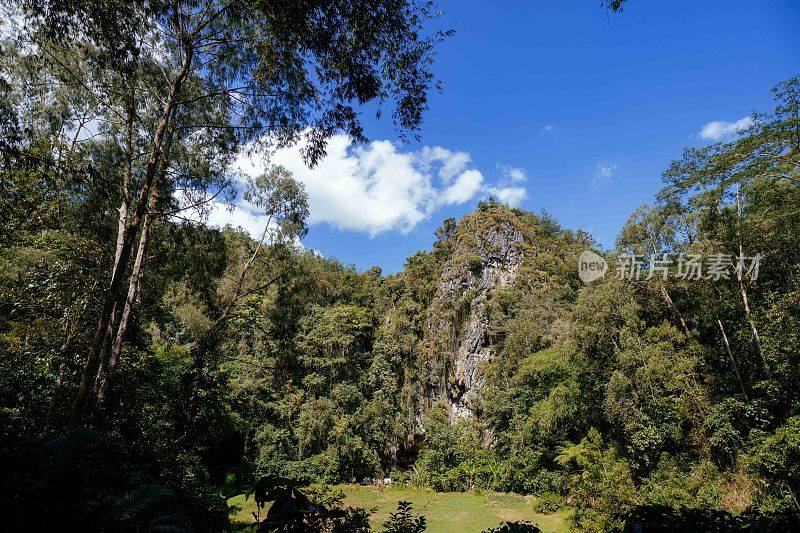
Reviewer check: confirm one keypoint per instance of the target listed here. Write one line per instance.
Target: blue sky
(592, 106)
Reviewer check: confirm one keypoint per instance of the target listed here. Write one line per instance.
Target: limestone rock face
(493, 254)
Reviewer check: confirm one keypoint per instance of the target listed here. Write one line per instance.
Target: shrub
(549, 502)
(514, 527)
(294, 510)
(404, 521)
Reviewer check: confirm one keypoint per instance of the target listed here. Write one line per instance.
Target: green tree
(266, 72)
(602, 484)
(777, 459)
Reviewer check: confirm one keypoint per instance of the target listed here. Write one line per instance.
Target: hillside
(171, 344)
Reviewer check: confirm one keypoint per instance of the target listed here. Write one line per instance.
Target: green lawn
(446, 511)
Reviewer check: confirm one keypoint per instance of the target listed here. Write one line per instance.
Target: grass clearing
(446, 512)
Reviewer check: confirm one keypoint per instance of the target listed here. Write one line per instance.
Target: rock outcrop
(486, 255)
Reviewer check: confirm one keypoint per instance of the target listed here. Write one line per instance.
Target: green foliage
(678, 482)
(549, 502)
(777, 459)
(659, 518)
(515, 527)
(453, 458)
(655, 388)
(255, 360)
(404, 521)
(84, 481)
(601, 483)
(292, 510)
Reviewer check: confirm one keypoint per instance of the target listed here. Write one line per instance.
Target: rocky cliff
(487, 252)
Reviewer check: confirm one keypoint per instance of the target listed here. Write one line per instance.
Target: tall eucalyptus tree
(178, 86)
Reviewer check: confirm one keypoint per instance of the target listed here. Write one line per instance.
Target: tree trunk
(743, 290)
(794, 496)
(106, 372)
(749, 316)
(92, 363)
(126, 179)
(674, 309)
(733, 361)
(122, 222)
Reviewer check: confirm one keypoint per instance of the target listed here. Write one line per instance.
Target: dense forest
(152, 364)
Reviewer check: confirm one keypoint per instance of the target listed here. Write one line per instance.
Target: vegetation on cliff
(151, 365)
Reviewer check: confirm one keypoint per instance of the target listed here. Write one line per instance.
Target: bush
(514, 527)
(524, 473)
(83, 481)
(602, 484)
(680, 481)
(403, 521)
(549, 502)
(295, 510)
(322, 468)
(656, 518)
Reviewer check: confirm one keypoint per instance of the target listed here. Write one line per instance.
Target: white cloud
(547, 130)
(451, 162)
(199, 209)
(509, 195)
(376, 187)
(371, 188)
(603, 174)
(239, 216)
(515, 174)
(508, 188)
(719, 129)
(463, 189)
